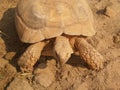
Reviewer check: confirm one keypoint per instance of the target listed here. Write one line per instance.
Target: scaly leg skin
(91, 56)
(63, 49)
(30, 56)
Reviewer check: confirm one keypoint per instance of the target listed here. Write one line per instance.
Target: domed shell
(37, 20)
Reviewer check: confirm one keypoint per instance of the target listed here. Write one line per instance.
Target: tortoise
(64, 23)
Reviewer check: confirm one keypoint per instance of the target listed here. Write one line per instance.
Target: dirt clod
(19, 84)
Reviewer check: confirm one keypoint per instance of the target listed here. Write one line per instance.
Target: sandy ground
(76, 75)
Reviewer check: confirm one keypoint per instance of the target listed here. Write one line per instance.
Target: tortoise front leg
(91, 56)
(30, 56)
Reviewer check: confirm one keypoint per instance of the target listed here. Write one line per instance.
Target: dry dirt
(76, 75)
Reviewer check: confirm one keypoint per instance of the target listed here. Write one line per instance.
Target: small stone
(44, 75)
(11, 68)
(116, 39)
(45, 78)
(2, 48)
(10, 55)
(110, 12)
(3, 62)
(2, 53)
(7, 72)
(19, 84)
(1, 41)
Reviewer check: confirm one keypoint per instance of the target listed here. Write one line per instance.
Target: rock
(44, 76)
(2, 48)
(110, 12)
(10, 55)
(45, 73)
(19, 84)
(3, 62)
(116, 39)
(11, 68)
(7, 72)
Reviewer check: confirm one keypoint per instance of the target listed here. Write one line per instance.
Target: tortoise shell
(37, 20)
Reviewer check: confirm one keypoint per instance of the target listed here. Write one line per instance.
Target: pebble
(45, 73)
(3, 62)
(2, 48)
(19, 84)
(116, 38)
(7, 72)
(110, 12)
(10, 55)
(44, 76)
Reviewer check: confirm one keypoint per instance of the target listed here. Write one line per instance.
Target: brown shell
(37, 20)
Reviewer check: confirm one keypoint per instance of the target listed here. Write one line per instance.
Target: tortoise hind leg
(30, 56)
(91, 56)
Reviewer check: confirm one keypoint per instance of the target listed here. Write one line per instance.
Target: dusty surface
(75, 76)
